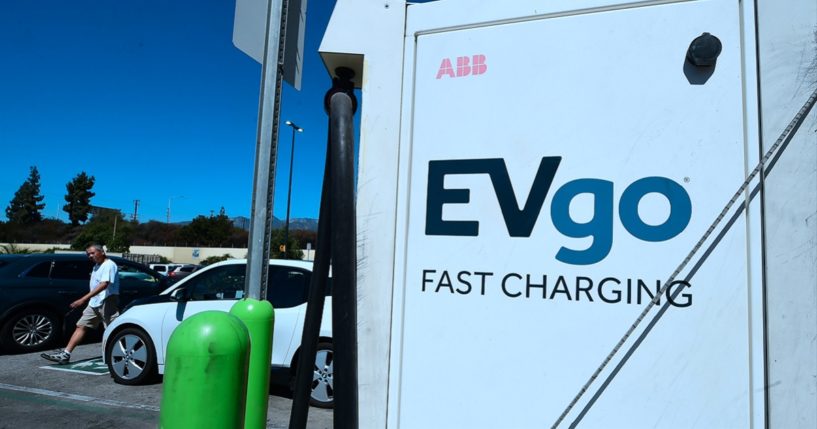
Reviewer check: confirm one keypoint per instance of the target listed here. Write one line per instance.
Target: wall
(189, 255)
(38, 247)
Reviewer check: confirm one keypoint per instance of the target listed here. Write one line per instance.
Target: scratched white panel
(607, 93)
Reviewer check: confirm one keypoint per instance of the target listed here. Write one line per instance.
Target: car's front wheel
(30, 330)
(131, 357)
(323, 387)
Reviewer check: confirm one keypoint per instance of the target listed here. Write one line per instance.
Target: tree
(293, 249)
(153, 233)
(208, 231)
(305, 236)
(46, 231)
(26, 205)
(107, 227)
(78, 197)
(213, 259)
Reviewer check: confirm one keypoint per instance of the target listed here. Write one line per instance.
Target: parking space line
(80, 398)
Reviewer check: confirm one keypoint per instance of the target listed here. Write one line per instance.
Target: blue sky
(151, 98)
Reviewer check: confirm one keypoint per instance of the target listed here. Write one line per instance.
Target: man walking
(102, 300)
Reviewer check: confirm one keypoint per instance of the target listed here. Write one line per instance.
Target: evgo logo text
(520, 221)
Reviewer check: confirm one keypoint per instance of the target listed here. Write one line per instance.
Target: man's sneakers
(61, 357)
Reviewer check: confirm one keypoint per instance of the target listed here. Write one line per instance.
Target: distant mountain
(300, 223)
(305, 224)
(242, 222)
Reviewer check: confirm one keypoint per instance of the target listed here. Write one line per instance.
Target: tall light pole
(289, 187)
(169, 200)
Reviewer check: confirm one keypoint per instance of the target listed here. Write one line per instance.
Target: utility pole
(115, 218)
(169, 201)
(135, 210)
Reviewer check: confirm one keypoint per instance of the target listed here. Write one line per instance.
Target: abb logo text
(466, 66)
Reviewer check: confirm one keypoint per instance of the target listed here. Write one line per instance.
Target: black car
(37, 289)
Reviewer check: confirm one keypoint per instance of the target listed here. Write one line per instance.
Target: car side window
(287, 287)
(135, 275)
(71, 270)
(41, 270)
(226, 282)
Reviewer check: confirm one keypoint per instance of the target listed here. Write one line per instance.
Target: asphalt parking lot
(35, 393)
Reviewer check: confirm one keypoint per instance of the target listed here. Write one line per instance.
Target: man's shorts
(106, 313)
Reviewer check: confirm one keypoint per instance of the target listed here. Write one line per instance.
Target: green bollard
(205, 383)
(259, 317)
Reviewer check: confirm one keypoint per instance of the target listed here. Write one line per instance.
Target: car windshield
(287, 286)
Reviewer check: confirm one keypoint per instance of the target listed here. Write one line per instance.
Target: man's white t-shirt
(107, 271)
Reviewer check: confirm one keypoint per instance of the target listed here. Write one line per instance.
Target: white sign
(559, 170)
(249, 34)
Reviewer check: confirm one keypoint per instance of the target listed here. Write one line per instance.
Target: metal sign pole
(266, 150)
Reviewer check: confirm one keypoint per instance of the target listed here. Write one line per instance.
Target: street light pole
(289, 187)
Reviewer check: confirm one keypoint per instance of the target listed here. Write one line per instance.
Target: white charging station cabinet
(532, 173)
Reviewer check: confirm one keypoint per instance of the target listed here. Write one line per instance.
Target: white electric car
(134, 345)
